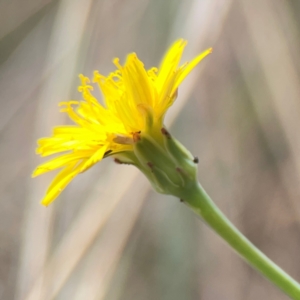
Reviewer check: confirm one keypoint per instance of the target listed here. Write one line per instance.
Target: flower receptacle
(169, 166)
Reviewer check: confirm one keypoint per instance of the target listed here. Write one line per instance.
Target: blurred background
(109, 236)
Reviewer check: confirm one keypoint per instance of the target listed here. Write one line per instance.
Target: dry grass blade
(104, 259)
(202, 29)
(38, 237)
(82, 234)
(14, 17)
(281, 77)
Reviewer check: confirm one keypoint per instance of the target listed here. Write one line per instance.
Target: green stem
(201, 203)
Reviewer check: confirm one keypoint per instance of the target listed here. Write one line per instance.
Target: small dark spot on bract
(150, 165)
(166, 133)
(107, 153)
(117, 161)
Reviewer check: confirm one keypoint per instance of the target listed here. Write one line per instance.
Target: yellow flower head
(135, 101)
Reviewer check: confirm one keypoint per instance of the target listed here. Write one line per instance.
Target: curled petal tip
(44, 203)
(116, 62)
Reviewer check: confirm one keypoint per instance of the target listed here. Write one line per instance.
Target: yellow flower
(135, 101)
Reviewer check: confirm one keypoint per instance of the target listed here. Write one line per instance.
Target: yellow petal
(60, 182)
(70, 130)
(137, 82)
(52, 145)
(59, 162)
(96, 157)
(189, 67)
(170, 63)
